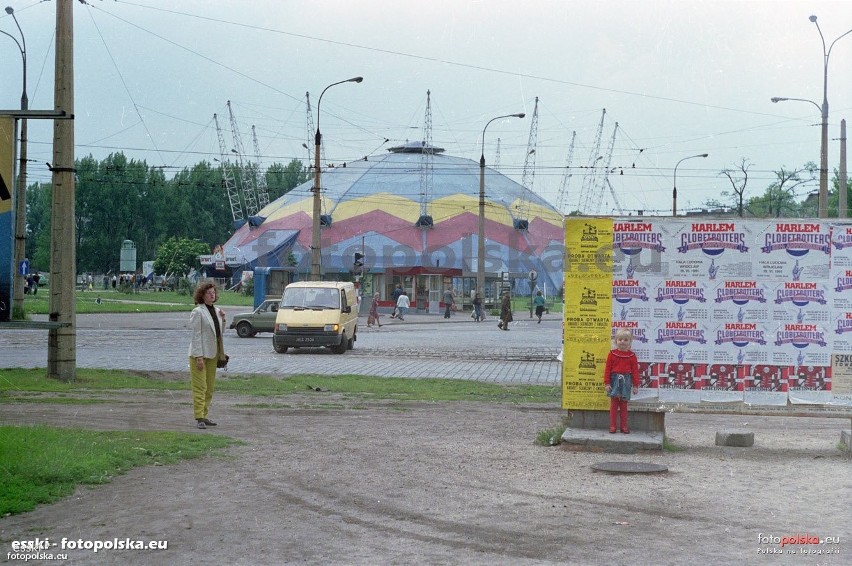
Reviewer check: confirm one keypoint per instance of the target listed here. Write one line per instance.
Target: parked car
(262, 319)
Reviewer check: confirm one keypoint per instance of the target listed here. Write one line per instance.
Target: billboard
(7, 236)
(722, 310)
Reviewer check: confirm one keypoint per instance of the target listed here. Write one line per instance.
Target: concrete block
(638, 420)
(596, 440)
(739, 438)
(846, 440)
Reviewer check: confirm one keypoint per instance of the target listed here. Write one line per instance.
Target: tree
(738, 178)
(834, 194)
(38, 225)
(282, 179)
(780, 197)
(178, 256)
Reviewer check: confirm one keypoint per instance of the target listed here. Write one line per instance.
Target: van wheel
(340, 348)
(281, 349)
(350, 343)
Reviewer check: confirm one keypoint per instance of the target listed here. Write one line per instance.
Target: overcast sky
(680, 78)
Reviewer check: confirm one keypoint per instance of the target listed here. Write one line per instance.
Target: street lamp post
(674, 185)
(20, 250)
(316, 246)
(822, 206)
(480, 249)
(823, 110)
(823, 157)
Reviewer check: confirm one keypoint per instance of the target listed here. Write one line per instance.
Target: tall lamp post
(316, 246)
(674, 185)
(822, 201)
(823, 146)
(823, 157)
(21, 189)
(480, 249)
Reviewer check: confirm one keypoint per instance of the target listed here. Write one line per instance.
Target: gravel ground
(324, 479)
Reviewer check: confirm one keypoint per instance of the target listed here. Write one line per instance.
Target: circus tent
(410, 231)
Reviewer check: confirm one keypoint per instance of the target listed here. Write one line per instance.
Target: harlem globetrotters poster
(722, 310)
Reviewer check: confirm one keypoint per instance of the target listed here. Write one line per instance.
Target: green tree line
(121, 199)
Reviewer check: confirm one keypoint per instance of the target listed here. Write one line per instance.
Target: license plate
(304, 339)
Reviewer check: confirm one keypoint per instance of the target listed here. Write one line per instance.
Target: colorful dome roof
(382, 203)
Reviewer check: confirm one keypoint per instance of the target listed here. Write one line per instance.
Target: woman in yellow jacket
(205, 350)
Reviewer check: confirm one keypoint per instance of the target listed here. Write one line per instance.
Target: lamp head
(521, 115)
(10, 10)
(704, 154)
(356, 80)
(776, 99)
(811, 18)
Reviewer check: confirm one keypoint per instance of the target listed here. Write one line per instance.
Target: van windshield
(311, 297)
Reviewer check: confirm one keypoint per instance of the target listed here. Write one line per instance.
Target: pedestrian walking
(402, 305)
(538, 302)
(505, 312)
(478, 315)
(373, 313)
(395, 298)
(449, 302)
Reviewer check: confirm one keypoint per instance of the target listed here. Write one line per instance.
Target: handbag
(222, 360)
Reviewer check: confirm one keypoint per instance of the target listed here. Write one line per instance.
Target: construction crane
(228, 182)
(496, 165)
(249, 193)
(591, 170)
(521, 222)
(605, 180)
(614, 198)
(259, 173)
(427, 163)
(562, 201)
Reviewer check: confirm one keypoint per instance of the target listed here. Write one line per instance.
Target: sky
(680, 78)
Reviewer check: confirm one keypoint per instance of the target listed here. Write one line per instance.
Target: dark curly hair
(198, 295)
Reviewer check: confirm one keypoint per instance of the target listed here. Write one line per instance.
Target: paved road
(421, 346)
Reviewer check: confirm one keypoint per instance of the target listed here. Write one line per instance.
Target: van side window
(343, 303)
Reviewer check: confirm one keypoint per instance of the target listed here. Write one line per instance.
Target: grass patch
(550, 436)
(670, 446)
(144, 301)
(43, 464)
(14, 381)
(50, 400)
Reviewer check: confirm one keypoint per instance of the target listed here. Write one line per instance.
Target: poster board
(755, 312)
(7, 236)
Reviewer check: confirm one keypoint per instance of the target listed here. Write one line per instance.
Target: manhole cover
(630, 468)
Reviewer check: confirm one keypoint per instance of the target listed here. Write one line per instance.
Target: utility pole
(62, 341)
(21, 190)
(843, 209)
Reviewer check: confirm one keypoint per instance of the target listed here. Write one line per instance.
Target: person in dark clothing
(505, 312)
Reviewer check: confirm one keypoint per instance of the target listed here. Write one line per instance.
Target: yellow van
(317, 313)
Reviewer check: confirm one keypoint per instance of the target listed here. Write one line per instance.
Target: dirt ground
(324, 479)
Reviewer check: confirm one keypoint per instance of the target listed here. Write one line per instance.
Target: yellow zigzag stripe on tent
(538, 211)
(395, 205)
(441, 209)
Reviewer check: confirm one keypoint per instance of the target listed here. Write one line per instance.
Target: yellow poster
(588, 311)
